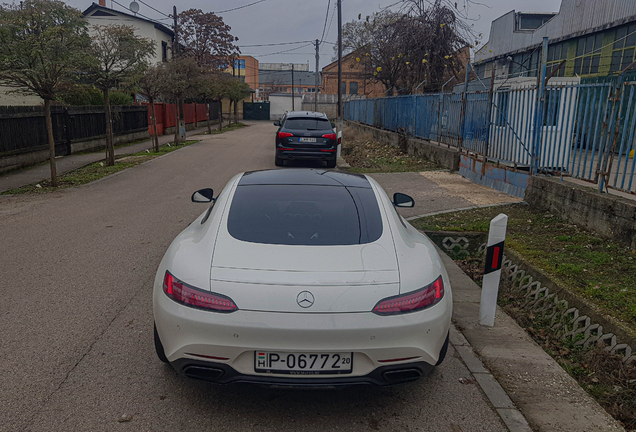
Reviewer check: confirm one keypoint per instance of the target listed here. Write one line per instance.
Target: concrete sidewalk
(64, 164)
(514, 371)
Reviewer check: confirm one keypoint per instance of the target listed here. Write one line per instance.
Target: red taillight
(285, 134)
(328, 150)
(330, 136)
(413, 301)
(285, 149)
(196, 298)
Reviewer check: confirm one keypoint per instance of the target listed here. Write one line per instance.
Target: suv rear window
(304, 215)
(306, 123)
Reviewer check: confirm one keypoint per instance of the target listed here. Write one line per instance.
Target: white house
(99, 14)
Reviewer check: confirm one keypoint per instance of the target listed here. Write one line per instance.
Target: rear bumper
(228, 341)
(220, 373)
(306, 154)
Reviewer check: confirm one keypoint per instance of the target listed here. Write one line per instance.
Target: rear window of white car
(304, 215)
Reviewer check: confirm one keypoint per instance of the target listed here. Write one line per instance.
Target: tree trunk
(236, 112)
(49, 131)
(182, 115)
(176, 127)
(110, 149)
(155, 138)
(220, 115)
(207, 110)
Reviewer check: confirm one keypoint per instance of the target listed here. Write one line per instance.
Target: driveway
(76, 316)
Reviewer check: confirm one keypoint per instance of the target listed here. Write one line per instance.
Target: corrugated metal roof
(574, 17)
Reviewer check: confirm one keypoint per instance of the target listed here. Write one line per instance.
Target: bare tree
(42, 43)
(153, 83)
(207, 38)
(182, 74)
(119, 57)
(414, 47)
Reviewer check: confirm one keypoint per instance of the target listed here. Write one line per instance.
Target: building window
(343, 87)
(353, 88)
(551, 107)
(556, 54)
(502, 108)
(525, 64)
(164, 51)
(588, 54)
(239, 64)
(624, 46)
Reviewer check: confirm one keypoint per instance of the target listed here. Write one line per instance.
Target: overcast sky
(283, 21)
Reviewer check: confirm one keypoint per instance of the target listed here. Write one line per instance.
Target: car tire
(442, 353)
(159, 347)
(279, 161)
(331, 163)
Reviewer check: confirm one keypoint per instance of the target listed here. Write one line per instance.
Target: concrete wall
(610, 216)
(328, 108)
(278, 104)
(441, 155)
(21, 160)
(7, 98)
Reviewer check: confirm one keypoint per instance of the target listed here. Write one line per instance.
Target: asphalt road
(76, 344)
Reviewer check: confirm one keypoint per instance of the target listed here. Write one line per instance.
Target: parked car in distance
(302, 278)
(306, 135)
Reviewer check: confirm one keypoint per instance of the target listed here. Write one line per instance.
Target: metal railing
(587, 131)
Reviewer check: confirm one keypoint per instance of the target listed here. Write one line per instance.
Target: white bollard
(492, 272)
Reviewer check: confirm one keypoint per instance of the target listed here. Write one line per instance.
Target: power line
(156, 10)
(281, 52)
(330, 22)
(240, 7)
(324, 27)
(273, 44)
(137, 13)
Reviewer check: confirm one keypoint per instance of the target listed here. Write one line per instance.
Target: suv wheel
(331, 163)
(279, 161)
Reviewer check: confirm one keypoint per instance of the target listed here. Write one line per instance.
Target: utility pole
(339, 75)
(316, 88)
(293, 95)
(176, 39)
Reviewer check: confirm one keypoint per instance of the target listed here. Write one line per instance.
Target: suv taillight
(330, 136)
(193, 297)
(285, 134)
(413, 301)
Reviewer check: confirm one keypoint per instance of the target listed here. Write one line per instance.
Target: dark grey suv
(306, 135)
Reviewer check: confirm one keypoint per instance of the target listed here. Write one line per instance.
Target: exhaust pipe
(203, 373)
(403, 375)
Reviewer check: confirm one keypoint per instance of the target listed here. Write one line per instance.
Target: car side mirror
(203, 196)
(403, 200)
(277, 123)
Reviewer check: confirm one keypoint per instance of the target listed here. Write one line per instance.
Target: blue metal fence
(587, 131)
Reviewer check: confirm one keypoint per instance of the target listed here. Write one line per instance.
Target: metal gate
(256, 111)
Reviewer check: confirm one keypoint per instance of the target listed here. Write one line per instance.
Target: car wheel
(159, 347)
(442, 353)
(331, 163)
(279, 161)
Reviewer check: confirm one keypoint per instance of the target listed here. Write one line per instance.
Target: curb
(510, 415)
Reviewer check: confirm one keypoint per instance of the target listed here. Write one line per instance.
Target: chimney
(102, 3)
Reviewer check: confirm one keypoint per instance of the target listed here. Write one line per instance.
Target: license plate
(303, 363)
(307, 139)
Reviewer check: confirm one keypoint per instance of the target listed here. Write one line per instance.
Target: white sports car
(302, 277)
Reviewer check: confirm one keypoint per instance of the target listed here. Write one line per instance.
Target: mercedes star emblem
(305, 299)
